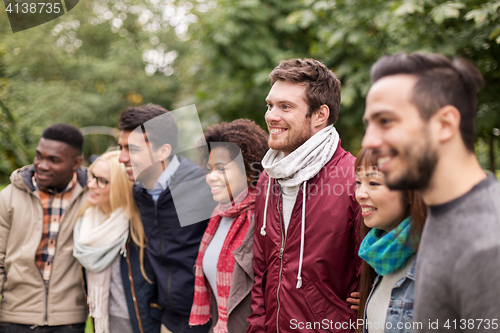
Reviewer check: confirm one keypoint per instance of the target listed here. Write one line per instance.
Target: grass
(88, 326)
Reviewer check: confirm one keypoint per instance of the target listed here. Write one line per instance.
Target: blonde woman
(109, 244)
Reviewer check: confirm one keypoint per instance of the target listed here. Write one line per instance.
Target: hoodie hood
(22, 178)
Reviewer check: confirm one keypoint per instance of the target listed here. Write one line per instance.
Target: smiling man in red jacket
(306, 237)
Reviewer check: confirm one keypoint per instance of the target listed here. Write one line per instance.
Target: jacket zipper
(162, 241)
(169, 283)
(46, 302)
(181, 329)
(46, 283)
(162, 249)
(132, 288)
(282, 249)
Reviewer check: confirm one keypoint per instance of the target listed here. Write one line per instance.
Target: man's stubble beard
(420, 170)
(293, 143)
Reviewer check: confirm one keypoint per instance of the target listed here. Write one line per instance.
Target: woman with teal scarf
(393, 222)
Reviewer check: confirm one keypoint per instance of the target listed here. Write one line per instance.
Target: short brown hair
(159, 132)
(440, 82)
(322, 85)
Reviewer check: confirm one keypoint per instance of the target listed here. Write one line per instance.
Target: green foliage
(236, 44)
(81, 69)
(86, 66)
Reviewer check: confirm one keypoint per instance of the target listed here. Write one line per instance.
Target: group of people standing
(301, 235)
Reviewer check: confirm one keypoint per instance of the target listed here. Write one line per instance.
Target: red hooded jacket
(331, 266)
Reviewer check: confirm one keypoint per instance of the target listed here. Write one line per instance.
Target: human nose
(272, 115)
(372, 138)
(361, 193)
(124, 156)
(43, 165)
(92, 182)
(211, 176)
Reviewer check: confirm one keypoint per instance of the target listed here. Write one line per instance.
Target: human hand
(354, 300)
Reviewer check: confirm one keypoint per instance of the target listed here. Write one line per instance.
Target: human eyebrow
(381, 114)
(372, 174)
(287, 102)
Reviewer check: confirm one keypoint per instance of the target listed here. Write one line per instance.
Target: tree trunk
(492, 154)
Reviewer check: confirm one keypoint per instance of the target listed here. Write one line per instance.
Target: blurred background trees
(86, 66)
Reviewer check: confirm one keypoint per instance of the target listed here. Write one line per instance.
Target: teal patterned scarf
(387, 252)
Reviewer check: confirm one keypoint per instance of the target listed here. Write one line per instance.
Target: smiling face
(398, 135)
(141, 160)
(286, 119)
(226, 179)
(381, 208)
(98, 193)
(55, 162)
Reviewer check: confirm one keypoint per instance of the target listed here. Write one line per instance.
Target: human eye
(384, 121)
(358, 183)
(372, 183)
(269, 106)
(102, 180)
(286, 107)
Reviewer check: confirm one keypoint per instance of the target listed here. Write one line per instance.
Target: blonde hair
(120, 196)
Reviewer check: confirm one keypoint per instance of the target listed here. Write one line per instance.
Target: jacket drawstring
(302, 234)
(302, 227)
(263, 229)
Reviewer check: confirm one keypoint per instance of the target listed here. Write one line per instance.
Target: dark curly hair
(248, 136)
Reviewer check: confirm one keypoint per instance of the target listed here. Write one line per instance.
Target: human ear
(163, 152)
(321, 116)
(446, 123)
(77, 162)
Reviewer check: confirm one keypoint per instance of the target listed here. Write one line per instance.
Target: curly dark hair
(247, 136)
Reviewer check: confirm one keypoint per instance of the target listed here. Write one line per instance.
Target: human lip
(129, 169)
(383, 161)
(42, 176)
(277, 130)
(93, 194)
(217, 189)
(367, 210)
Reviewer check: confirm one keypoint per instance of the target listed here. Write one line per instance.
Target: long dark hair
(416, 208)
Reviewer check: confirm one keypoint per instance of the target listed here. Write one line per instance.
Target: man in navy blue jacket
(148, 140)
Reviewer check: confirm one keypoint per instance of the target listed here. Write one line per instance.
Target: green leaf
(494, 34)
(445, 11)
(478, 15)
(408, 8)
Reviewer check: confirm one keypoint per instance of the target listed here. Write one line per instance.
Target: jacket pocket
(325, 309)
